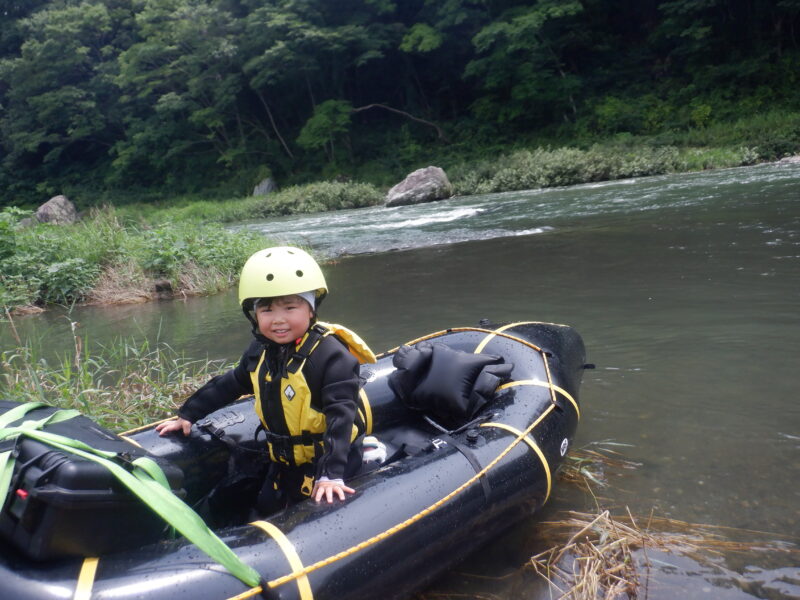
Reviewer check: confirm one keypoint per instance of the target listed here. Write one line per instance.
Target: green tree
(331, 120)
(301, 51)
(520, 64)
(59, 101)
(182, 82)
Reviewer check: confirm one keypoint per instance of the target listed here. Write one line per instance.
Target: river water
(686, 289)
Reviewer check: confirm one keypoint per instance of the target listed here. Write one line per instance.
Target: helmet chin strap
(254, 326)
(320, 298)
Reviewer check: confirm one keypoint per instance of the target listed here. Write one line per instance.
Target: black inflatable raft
(437, 498)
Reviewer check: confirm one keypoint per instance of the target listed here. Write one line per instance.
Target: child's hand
(329, 488)
(175, 425)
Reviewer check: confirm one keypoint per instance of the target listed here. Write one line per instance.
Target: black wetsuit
(332, 375)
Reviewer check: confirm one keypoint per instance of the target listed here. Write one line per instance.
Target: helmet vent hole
(299, 273)
(270, 277)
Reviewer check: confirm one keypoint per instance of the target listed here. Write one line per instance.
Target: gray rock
(423, 185)
(791, 160)
(58, 210)
(265, 187)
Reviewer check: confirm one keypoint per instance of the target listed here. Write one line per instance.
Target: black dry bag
(450, 385)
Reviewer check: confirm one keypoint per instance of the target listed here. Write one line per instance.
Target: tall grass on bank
(308, 198)
(101, 260)
(122, 385)
(540, 168)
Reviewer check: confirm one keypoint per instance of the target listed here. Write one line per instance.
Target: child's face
(286, 319)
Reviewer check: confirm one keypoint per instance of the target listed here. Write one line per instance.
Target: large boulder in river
(265, 187)
(423, 185)
(58, 210)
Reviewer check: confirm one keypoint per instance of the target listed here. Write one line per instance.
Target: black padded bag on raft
(451, 386)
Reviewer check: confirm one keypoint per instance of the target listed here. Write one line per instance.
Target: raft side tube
(408, 521)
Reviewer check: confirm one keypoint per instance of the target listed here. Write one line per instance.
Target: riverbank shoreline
(104, 260)
(146, 258)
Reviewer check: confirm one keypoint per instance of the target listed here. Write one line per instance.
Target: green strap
(56, 417)
(154, 491)
(7, 460)
(18, 412)
(149, 466)
(6, 471)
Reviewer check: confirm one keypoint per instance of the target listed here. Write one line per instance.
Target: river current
(686, 290)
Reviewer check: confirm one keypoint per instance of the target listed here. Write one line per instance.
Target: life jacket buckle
(281, 447)
(308, 485)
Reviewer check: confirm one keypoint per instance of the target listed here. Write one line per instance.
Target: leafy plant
(330, 121)
(68, 280)
(9, 222)
(62, 264)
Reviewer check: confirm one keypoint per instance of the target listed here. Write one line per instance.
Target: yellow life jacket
(306, 423)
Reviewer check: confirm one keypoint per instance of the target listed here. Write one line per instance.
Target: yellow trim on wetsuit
(367, 414)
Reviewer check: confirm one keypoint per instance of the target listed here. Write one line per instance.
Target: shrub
(532, 169)
(62, 264)
(315, 197)
(67, 281)
(9, 223)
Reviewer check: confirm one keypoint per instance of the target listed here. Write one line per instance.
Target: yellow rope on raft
(291, 555)
(533, 445)
(430, 336)
(492, 335)
(544, 384)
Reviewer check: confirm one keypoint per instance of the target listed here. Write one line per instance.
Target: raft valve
(472, 437)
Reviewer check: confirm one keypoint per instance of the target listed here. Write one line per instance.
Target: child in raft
(304, 376)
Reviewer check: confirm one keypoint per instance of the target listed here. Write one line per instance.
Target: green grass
(122, 385)
(102, 260)
(308, 198)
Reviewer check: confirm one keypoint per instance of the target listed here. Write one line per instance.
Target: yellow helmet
(280, 271)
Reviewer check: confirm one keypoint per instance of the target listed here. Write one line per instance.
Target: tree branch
(274, 126)
(438, 129)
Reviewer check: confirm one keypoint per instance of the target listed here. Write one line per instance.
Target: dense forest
(176, 96)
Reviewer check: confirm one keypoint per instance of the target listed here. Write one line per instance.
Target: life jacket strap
(312, 338)
(282, 446)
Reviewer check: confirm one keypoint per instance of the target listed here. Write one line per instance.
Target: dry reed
(121, 284)
(594, 556)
